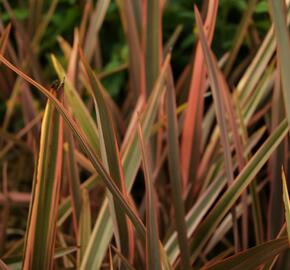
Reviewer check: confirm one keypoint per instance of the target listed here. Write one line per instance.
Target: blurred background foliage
(114, 49)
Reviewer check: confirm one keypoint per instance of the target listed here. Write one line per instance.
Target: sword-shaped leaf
(131, 158)
(206, 228)
(286, 203)
(283, 48)
(252, 258)
(175, 172)
(219, 103)
(41, 232)
(111, 158)
(79, 110)
(152, 247)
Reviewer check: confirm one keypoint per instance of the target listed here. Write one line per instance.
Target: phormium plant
(180, 170)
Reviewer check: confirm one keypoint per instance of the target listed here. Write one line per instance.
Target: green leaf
(73, 177)
(283, 46)
(207, 227)
(131, 158)
(153, 56)
(219, 103)
(241, 32)
(79, 110)
(175, 172)
(85, 226)
(123, 259)
(61, 252)
(15, 263)
(82, 140)
(152, 247)
(96, 21)
(252, 75)
(41, 232)
(262, 7)
(136, 58)
(65, 208)
(252, 258)
(99, 239)
(104, 175)
(286, 203)
(110, 156)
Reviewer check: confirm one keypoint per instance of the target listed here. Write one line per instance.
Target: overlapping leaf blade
(111, 158)
(175, 172)
(283, 47)
(104, 175)
(152, 247)
(245, 177)
(131, 158)
(41, 233)
(252, 258)
(219, 104)
(191, 134)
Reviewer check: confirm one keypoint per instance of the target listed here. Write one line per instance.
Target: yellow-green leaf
(286, 203)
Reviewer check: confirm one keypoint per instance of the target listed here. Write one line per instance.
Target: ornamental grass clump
(152, 161)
